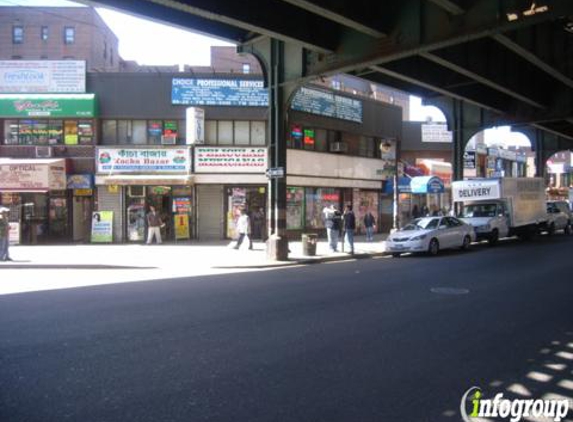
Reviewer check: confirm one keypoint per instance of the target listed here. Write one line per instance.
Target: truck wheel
(494, 238)
(434, 247)
(466, 243)
(551, 229)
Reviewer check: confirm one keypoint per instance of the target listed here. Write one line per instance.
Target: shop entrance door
(82, 210)
(210, 212)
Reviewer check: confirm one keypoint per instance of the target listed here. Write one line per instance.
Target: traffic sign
(275, 172)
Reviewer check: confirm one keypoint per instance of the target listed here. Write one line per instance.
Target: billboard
(219, 92)
(42, 76)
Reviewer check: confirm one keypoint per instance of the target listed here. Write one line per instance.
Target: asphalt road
(370, 340)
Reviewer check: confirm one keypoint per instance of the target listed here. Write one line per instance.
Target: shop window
(295, 138)
(69, 35)
(170, 132)
(320, 141)
(258, 133)
(139, 132)
(308, 139)
(242, 131)
(55, 132)
(109, 132)
(86, 132)
(225, 132)
(182, 137)
(10, 132)
(211, 132)
(316, 200)
(71, 132)
(44, 33)
(17, 35)
(154, 131)
(295, 208)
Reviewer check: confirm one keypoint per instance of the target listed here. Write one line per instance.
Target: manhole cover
(449, 291)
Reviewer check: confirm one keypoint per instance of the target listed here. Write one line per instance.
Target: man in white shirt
(244, 229)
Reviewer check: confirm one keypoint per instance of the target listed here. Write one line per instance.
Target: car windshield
(422, 224)
(479, 210)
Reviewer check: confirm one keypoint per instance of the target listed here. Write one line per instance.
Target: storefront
(130, 180)
(35, 191)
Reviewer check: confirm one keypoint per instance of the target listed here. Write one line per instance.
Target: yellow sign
(83, 192)
(112, 189)
(181, 223)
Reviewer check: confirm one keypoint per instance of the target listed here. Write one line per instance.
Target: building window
(211, 132)
(242, 133)
(111, 56)
(246, 68)
(44, 33)
(69, 35)
(258, 133)
(366, 147)
(225, 130)
(105, 50)
(17, 35)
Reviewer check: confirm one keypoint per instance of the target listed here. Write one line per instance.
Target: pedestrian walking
(332, 224)
(258, 224)
(349, 224)
(154, 225)
(244, 229)
(370, 226)
(4, 234)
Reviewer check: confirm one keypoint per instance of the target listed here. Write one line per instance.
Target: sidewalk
(42, 267)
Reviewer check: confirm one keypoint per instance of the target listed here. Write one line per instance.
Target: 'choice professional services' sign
(219, 92)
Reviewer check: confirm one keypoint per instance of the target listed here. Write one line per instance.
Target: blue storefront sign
(219, 92)
(327, 104)
(403, 185)
(427, 184)
(80, 181)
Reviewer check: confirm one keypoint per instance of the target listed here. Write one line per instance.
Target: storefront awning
(427, 184)
(143, 179)
(32, 175)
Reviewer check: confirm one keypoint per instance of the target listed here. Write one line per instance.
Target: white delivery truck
(502, 207)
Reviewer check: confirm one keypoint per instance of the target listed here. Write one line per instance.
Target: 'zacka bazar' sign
(149, 160)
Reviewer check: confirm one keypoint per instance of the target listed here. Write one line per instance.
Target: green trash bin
(309, 244)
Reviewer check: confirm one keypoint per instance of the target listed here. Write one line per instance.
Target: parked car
(559, 217)
(431, 234)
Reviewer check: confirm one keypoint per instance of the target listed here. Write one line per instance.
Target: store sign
(470, 160)
(38, 76)
(327, 104)
(14, 233)
(102, 227)
(181, 224)
(32, 175)
(143, 160)
(230, 160)
(48, 105)
(80, 181)
(219, 92)
(195, 125)
(436, 132)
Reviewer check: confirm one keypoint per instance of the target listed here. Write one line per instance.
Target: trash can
(309, 244)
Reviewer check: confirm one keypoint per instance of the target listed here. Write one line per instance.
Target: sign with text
(42, 76)
(219, 92)
(31, 175)
(436, 132)
(143, 160)
(230, 160)
(327, 104)
(102, 227)
(48, 105)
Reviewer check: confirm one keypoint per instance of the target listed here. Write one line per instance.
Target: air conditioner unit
(338, 147)
(168, 140)
(136, 191)
(43, 152)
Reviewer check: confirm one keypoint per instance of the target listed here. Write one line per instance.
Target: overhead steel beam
(449, 6)
(434, 88)
(482, 80)
(264, 21)
(336, 17)
(533, 59)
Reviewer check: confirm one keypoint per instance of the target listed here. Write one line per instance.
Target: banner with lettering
(143, 160)
(230, 160)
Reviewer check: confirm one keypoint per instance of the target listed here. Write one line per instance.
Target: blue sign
(219, 92)
(427, 184)
(80, 181)
(324, 103)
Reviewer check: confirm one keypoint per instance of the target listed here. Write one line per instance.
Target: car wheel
(396, 255)
(466, 243)
(567, 229)
(494, 238)
(434, 247)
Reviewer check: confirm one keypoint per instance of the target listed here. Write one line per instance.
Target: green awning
(48, 105)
